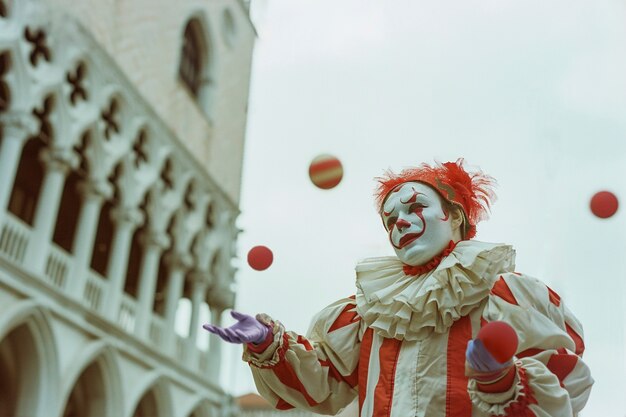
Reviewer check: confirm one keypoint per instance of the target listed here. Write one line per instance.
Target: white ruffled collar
(410, 307)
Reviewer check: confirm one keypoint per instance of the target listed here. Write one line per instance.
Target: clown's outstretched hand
(247, 330)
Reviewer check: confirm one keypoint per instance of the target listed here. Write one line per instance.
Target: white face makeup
(419, 227)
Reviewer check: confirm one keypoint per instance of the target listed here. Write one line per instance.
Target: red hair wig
(472, 192)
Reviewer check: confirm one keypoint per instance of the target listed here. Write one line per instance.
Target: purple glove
(479, 358)
(247, 330)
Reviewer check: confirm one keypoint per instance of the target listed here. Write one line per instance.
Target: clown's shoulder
(339, 316)
(526, 291)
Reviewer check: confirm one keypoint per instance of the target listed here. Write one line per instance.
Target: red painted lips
(408, 238)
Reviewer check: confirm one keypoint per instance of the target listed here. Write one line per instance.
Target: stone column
(153, 244)
(93, 195)
(57, 164)
(126, 219)
(16, 129)
(178, 265)
(215, 345)
(198, 292)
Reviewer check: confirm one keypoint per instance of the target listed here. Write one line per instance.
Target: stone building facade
(122, 130)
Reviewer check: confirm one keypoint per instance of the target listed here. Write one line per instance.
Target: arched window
(68, 213)
(20, 372)
(88, 397)
(104, 235)
(27, 182)
(160, 291)
(183, 309)
(193, 57)
(163, 275)
(71, 201)
(148, 406)
(131, 284)
(104, 238)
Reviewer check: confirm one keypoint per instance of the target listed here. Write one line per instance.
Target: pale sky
(532, 92)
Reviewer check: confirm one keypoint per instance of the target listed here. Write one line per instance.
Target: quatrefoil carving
(76, 79)
(37, 38)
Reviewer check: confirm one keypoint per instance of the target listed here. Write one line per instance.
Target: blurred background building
(122, 132)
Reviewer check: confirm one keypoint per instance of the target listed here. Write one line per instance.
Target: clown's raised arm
(406, 343)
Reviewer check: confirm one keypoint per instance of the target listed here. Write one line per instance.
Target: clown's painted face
(418, 225)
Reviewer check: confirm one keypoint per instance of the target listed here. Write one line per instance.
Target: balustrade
(57, 266)
(14, 238)
(94, 290)
(127, 313)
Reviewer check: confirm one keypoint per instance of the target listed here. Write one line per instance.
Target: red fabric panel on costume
(529, 352)
(502, 290)
(580, 344)
(283, 405)
(383, 394)
(307, 345)
(351, 379)
(345, 318)
(364, 363)
(554, 297)
(458, 403)
(562, 365)
(520, 408)
(260, 348)
(286, 374)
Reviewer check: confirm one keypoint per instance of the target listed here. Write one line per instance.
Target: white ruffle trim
(407, 307)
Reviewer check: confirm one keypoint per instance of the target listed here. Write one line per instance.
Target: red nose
(402, 224)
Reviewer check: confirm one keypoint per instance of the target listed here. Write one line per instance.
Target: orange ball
(325, 171)
(260, 258)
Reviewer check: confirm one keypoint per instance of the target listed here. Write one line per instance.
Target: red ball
(604, 204)
(500, 339)
(326, 171)
(260, 258)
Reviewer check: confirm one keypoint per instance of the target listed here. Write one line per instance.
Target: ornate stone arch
(200, 407)
(102, 355)
(37, 357)
(157, 385)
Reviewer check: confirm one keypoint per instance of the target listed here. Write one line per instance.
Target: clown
(409, 343)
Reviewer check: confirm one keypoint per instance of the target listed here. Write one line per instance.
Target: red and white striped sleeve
(552, 378)
(317, 372)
